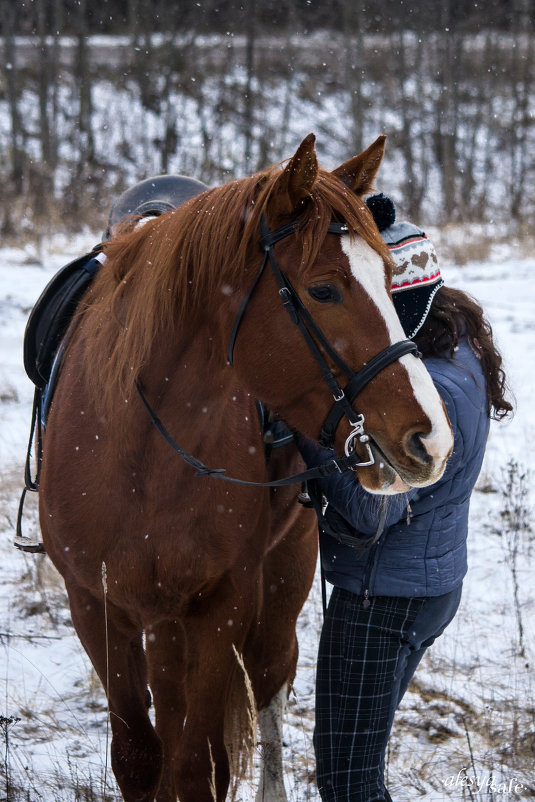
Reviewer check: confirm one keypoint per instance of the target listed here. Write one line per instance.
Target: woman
(397, 563)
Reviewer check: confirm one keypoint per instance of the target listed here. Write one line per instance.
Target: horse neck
(189, 360)
(192, 383)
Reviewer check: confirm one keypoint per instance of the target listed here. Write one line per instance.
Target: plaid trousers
(367, 657)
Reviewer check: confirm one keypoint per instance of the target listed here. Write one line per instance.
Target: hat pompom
(382, 209)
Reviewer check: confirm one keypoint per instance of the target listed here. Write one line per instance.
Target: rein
(312, 335)
(335, 465)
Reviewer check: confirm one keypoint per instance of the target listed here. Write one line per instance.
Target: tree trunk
(10, 69)
(354, 70)
(83, 79)
(413, 187)
(248, 96)
(521, 83)
(448, 70)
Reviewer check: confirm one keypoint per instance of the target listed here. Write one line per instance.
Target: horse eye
(325, 293)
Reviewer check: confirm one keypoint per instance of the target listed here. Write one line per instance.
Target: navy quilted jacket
(422, 551)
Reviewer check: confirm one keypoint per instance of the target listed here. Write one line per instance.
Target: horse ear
(359, 172)
(296, 180)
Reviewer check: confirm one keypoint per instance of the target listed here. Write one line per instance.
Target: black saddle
(52, 314)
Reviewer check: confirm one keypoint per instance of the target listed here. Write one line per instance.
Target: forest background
(94, 97)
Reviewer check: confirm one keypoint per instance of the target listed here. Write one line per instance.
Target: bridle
(316, 342)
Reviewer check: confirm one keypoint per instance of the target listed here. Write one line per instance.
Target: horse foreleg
(271, 785)
(165, 644)
(115, 648)
(202, 772)
(214, 634)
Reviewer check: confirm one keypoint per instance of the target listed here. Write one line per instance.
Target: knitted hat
(416, 276)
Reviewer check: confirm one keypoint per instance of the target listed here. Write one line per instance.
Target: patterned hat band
(415, 259)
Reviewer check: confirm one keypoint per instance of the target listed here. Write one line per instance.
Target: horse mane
(165, 271)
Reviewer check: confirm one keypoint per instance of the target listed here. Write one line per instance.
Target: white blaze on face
(367, 268)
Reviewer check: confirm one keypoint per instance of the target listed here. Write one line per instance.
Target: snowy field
(466, 729)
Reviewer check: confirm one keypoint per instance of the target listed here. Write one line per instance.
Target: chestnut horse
(188, 584)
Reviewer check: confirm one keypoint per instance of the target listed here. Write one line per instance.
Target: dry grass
(460, 244)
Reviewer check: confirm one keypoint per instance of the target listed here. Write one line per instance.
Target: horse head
(343, 281)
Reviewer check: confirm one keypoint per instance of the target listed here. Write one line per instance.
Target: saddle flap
(52, 313)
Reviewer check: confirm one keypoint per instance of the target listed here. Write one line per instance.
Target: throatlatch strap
(241, 311)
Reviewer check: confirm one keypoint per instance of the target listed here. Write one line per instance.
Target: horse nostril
(417, 448)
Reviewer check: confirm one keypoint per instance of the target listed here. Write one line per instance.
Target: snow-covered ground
(466, 729)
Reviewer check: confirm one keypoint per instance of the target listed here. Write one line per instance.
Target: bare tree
(249, 92)
(522, 64)
(83, 81)
(42, 175)
(13, 97)
(448, 71)
(457, 105)
(354, 71)
(411, 139)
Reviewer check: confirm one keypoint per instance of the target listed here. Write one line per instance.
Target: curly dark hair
(452, 314)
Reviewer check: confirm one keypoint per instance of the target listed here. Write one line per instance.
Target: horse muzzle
(414, 466)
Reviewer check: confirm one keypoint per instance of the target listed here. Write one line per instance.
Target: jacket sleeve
(347, 496)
